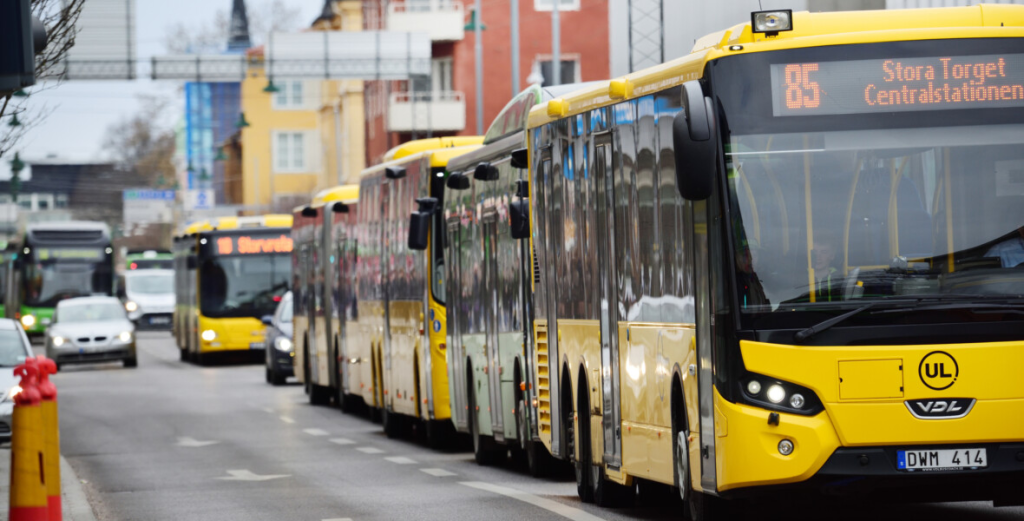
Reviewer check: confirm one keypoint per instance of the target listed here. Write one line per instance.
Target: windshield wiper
(970, 306)
(823, 325)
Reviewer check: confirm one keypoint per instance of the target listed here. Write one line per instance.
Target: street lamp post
(556, 45)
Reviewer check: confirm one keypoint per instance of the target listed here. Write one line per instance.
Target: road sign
(199, 200)
(144, 205)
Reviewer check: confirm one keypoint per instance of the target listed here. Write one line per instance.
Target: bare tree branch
(264, 18)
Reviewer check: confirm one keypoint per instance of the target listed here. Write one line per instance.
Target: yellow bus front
(867, 239)
(242, 274)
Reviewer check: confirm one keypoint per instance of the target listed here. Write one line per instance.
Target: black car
(280, 349)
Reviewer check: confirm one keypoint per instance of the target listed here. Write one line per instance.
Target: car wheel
(131, 362)
(267, 375)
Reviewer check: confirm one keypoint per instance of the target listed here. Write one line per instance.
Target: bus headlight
(209, 335)
(125, 336)
(283, 343)
(28, 321)
(131, 306)
(778, 395)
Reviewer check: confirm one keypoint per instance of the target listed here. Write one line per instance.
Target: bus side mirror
(419, 223)
(192, 262)
(458, 181)
(519, 218)
(520, 158)
(485, 172)
(694, 141)
(394, 172)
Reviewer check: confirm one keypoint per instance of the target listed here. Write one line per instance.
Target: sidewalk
(74, 504)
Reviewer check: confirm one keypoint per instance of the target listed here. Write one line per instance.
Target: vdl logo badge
(938, 370)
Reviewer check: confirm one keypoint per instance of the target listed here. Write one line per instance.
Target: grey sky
(84, 109)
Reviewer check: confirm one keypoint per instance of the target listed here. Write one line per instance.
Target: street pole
(515, 46)
(478, 47)
(556, 45)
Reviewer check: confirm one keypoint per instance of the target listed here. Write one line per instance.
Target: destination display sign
(252, 244)
(989, 81)
(78, 254)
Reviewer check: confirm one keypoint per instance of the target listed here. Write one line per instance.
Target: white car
(149, 298)
(91, 329)
(14, 349)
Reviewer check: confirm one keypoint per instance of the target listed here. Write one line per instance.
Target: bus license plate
(257, 345)
(947, 459)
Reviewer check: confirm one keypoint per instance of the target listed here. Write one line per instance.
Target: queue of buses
(792, 260)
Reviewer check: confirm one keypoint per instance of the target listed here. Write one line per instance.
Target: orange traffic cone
(28, 483)
(51, 436)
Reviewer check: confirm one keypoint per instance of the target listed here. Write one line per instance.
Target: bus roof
(345, 193)
(67, 225)
(256, 221)
(438, 158)
(809, 30)
(421, 145)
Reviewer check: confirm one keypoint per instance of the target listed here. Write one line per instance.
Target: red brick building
(445, 103)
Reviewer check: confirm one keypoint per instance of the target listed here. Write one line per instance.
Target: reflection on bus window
(243, 286)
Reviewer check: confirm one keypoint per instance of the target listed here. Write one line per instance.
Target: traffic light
(22, 36)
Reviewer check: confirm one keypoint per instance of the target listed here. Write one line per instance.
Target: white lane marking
(551, 506)
(338, 519)
(370, 450)
(341, 441)
(315, 432)
(248, 475)
(401, 460)
(287, 419)
(186, 441)
(438, 473)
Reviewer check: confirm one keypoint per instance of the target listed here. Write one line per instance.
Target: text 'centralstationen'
(903, 84)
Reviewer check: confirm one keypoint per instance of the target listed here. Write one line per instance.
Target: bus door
(550, 296)
(457, 369)
(309, 293)
(607, 298)
(491, 310)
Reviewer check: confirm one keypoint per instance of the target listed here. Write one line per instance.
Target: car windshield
(829, 217)
(47, 283)
(91, 312)
(151, 283)
(12, 348)
(243, 286)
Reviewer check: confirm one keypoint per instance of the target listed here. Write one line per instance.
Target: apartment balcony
(434, 111)
(443, 20)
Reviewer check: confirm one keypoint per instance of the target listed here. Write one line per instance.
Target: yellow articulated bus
(789, 261)
(321, 296)
(235, 271)
(394, 352)
(488, 350)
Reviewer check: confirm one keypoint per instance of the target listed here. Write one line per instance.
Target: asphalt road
(173, 441)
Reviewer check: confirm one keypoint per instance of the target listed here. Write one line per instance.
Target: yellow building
(303, 134)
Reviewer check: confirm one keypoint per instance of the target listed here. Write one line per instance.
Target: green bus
(56, 261)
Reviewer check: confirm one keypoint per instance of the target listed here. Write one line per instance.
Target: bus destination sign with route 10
(898, 85)
(253, 244)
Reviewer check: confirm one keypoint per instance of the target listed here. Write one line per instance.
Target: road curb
(76, 505)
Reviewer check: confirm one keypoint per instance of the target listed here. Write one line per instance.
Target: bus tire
(439, 434)
(392, 423)
(183, 355)
(603, 492)
(537, 459)
(484, 450)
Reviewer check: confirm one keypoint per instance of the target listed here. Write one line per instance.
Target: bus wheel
(602, 492)
(537, 459)
(183, 355)
(484, 450)
(439, 434)
(391, 422)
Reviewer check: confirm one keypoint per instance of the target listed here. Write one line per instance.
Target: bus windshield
(157, 283)
(243, 286)
(47, 283)
(823, 218)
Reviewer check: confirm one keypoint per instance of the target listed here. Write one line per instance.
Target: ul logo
(938, 370)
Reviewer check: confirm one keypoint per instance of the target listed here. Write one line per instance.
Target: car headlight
(57, 341)
(11, 393)
(28, 321)
(283, 343)
(125, 336)
(131, 306)
(209, 335)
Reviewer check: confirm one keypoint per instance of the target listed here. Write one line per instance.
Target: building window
(289, 149)
(563, 5)
(60, 201)
(290, 96)
(25, 201)
(441, 74)
(570, 72)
